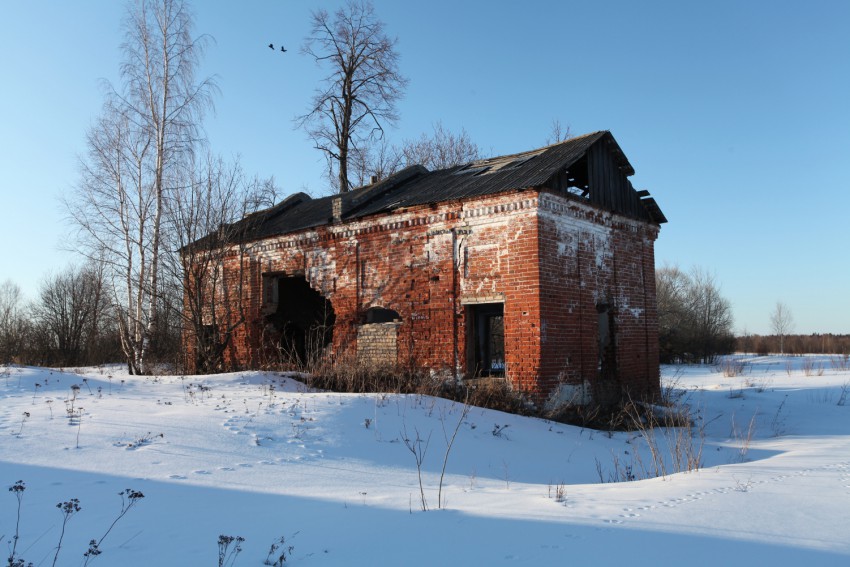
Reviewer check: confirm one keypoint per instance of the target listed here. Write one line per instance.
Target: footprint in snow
(614, 521)
(245, 465)
(202, 472)
(177, 476)
(226, 469)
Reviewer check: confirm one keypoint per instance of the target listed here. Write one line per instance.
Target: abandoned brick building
(537, 268)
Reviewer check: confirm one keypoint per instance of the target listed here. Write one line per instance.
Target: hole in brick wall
(380, 315)
(303, 318)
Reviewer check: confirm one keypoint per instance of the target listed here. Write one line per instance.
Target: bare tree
(378, 161)
(558, 133)
(13, 321)
(711, 315)
(441, 150)
(358, 98)
(208, 224)
(694, 319)
(671, 285)
(137, 152)
(782, 323)
(70, 315)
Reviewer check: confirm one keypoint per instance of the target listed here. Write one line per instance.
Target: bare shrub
(349, 375)
(674, 444)
(842, 399)
(558, 492)
(732, 367)
(808, 366)
(840, 362)
(418, 448)
(743, 438)
(494, 394)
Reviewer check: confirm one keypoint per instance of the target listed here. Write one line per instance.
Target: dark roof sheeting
(416, 185)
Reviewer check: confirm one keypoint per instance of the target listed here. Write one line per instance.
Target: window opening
(380, 315)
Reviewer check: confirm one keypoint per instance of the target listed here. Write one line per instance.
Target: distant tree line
(825, 343)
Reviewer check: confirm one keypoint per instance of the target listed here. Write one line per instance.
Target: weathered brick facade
(554, 293)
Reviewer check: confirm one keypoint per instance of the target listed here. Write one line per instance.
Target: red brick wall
(595, 258)
(549, 260)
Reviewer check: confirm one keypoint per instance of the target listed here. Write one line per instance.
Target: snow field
(256, 455)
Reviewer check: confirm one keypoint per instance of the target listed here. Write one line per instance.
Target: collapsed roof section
(591, 168)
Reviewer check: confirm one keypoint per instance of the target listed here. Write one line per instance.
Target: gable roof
(548, 167)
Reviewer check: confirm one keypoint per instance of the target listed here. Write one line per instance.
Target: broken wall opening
(301, 317)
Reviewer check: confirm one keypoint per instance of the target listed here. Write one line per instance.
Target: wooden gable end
(608, 182)
(601, 176)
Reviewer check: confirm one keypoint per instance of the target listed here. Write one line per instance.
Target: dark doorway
(606, 341)
(487, 339)
(304, 318)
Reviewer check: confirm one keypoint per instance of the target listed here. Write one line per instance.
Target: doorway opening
(486, 340)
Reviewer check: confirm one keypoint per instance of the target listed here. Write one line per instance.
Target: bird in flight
(282, 48)
(271, 46)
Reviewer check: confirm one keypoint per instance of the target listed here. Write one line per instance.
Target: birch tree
(782, 323)
(137, 151)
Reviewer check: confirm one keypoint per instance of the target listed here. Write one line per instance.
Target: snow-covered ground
(255, 455)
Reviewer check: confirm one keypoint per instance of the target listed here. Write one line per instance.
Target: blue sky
(735, 116)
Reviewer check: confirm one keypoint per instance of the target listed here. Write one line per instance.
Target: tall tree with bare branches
(358, 97)
(137, 151)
